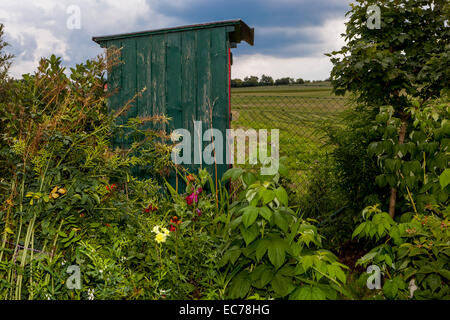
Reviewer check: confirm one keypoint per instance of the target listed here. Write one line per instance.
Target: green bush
(414, 254)
(69, 198)
(271, 252)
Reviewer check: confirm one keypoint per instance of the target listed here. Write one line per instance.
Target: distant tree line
(254, 81)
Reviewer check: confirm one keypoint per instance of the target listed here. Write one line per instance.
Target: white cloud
(315, 66)
(39, 28)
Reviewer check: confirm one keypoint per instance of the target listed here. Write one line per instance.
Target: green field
(299, 112)
(286, 90)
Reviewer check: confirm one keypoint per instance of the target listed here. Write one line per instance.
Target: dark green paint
(185, 71)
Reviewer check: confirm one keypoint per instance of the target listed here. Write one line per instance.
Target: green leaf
(232, 174)
(444, 178)
(302, 293)
(390, 289)
(317, 294)
(249, 234)
(261, 276)
(282, 195)
(283, 170)
(261, 249)
(240, 286)
(307, 262)
(248, 178)
(277, 252)
(249, 216)
(266, 213)
(267, 195)
(340, 275)
(280, 221)
(358, 230)
(445, 273)
(434, 281)
(282, 285)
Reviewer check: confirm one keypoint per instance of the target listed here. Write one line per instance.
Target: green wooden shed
(186, 71)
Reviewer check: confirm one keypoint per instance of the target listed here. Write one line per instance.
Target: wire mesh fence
(301, 121)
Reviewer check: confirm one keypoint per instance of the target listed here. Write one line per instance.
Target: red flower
(108, 225)
(151, 208)
(111, 188)
(175, 220)
(191, 198)
(190, 178)
(172, 228)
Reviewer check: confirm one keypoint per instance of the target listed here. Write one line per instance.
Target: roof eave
(241, 31)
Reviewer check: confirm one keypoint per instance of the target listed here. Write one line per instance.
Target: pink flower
(193, 197)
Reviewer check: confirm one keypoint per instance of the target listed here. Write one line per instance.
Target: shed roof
(240, 32)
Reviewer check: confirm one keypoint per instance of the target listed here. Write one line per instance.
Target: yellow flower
(165, 231)
(53, 194)
(160, 237)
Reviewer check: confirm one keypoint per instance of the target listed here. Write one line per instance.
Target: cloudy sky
(291, 36)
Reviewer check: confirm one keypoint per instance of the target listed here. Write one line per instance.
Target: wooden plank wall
(186, 76)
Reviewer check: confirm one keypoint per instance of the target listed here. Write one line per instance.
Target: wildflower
(54, 193)
(108, 225)
(160, 237)
(190, 199)
(81, 215)
(111, 188)
(175, 221)
(155, 229)
(151, 208)
(190, 178)
(165, 231)
(175, 136)
(199, 212)
(193, 197)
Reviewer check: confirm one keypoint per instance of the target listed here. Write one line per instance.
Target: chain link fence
(301, 121)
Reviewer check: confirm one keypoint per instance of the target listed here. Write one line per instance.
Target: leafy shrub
(270, 252)
(413, 166)
(414, 255)
(67, 196)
